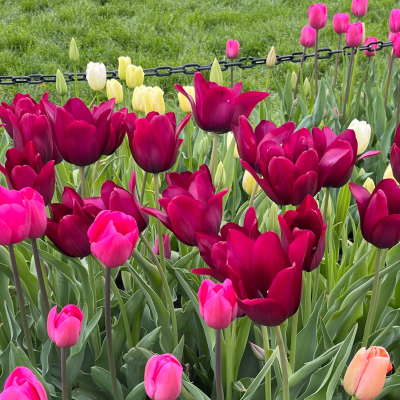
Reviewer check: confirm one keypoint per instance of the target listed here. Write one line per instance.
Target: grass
(36, 35)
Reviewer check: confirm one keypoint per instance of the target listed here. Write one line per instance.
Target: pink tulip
(308, 35)
(396, 45)
(163, 377)
(64, 328)
(374, 46)
(354, 34)
(366, 374)
(167, 247)
(340, 22)
(359, 7)
(38, 212)
(232, 49)
(391, 36)
(318, 16)
(218, 306)
(112, 237)
(22, 384)
(394, 21)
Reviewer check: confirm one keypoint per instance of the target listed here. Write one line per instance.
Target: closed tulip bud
(308, 37)
(96, 76)
(123, 63)
(294, 80)
(366, 374)
(340, 22)
(220, 175)
(354, 34)
(369, 184)
(114, 91)
(306, 87)
(257, 351)
(248, 183)
(232, 49)
(359, 7)
(134, 76)
(364, 33)
(272, 223)
(167, 247)
(271, 59)
(64, 328)
(396, 45)
(138, 98)
(184, 103)
(373, 46)
(154, 101)
(394, 21)
(363, 134)
(389, 174)
(318, 16)
(163, 377)
(61, 85)
(229, 139)
(335, 113)
(216, 73)
(73, 51)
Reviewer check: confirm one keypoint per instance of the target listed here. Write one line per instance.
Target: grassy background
(36, 35)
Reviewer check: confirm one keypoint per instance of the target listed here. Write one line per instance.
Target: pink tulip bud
(218, 305)
(359, 7)
(391, 36)
(163, 377)
(366, 373)
(64, 328)
(340, 22)
(354, 34)
(38, 212)
(167, 247)
(232, 49)
(112, 237)
(394, 21)
(308, 35)
(318, 16)
(22, 384)
(374, 46)
(396, 45)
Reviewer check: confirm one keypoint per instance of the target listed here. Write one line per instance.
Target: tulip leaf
(306, 122)
(379, 116)
(194, 391)
(150, 270)
(102, 378)
(241, 342)
(229, 169)
(387, 137)
(178, 351)
(319, 106)
(138, 393)
(45, 357)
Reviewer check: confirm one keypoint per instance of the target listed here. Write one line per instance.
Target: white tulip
(96, 76)
(363, 134)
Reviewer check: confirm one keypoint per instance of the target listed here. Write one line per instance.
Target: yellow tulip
(229, 139)
(114, 91)
(184, 103)
(123, 63)
(369, 184)
(154, 100)
(389, 174)
(271, 59)
(134, 76)
(248, 183)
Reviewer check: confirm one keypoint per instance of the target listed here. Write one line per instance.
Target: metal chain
(191, 68)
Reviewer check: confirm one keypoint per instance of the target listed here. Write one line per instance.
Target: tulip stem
(389, 76)
(76, 82)
(22, 309)
(218, 365)
(125, 101)
(83, 182)
(190, 145)
(298, 76)
(347, 87)
(64, 381)
(337, 61)
(308, 294)
(110, 350)
(235, 188)
(316, 64)
(282, 355)
(146, 174)
(214, 154)
(159, 227)
(374, 298)
(98, 97)
(353, 78)
(229, 363)
(266, 357)
(293, 341)
(398, 105)
(232, 75)
(253, 195)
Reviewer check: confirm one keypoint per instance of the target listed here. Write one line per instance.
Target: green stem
(143, 187)
(266, 351)
(76, 82)
(253, 194)
(293, 341)
(229, 363)
(95, 172)
(316, 65)
(83, 182)
(98, 97)
(353, 78)
(347, 87)
(125, 94)
(308, 294)
(214, 155)
(337, 61)
(398, 104)
(282, 355)
(389, 76)
(298, 76)
(159, 227)
(190, 145)
(64, 381)
(232, 75)
(218, 365)
(235, 188)
(58, 180)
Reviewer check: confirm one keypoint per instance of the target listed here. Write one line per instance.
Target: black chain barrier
(191, 68)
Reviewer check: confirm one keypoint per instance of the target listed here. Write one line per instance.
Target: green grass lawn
(36, 35)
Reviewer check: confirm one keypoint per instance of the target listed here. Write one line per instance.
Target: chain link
(191, 68)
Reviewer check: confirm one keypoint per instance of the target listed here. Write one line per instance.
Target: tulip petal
(72, 233)
(212, 216)
(218, 275)
(355, 370)
(303, 186)
(368, 154)
(78, 109)
(67, 333)
(51, 323)
(45, 182)
(168, 383)
(376, 210)
(12, 393)
(282, 174)
(162, 216)
(205, 243)
(392, 192)
(42, 138)
(329, 160)
(319, 252)
(395, 161)
(245, 103)
(286, 234)
(217, 312)
(362, 197)
(386, 232)
(23, 176)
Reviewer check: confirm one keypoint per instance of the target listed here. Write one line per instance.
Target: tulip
(184, 103)
(61, 85)
(389, 174)
(318, 16)
(38, 212)
(369, 40)
(155, 141)
(359, 7)
(391, 36)
(369, 184)
(114, 91)
(163, 377)
(138, 97)
(271, 59)
(26, 169)
(366, 374)
(248, 183)
(217, 302)
(293, 80)
(394, 21)
(354, 34)
(306, 87)
(363, 134)
(73, 51)
(96, 76)
(232, 49)
(216, 107)
(123, 63)
(308, 36)
(229, 139)
(191, 205)
(396, 45)
(112, 237)
(306, 218)
(216, 73)
(335, 113)
(394, 158)
(340, 22)
(22, 384)
(167, 247)
(150, 99)
(64, 328)
(134, 76)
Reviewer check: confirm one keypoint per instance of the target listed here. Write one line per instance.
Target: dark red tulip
(191, 205)
(395, 156)
(26, 169)
(217, 107)
(154, 141)
(379, 213)
(213, 247)
(306, 218)
(266, 278)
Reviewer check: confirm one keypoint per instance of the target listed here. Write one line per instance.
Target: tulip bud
(114, 91)
(216, 73)
(220, 176)
(294, 80)
(394, 21)
(271, 59)
(257, 351)
(184, 103)
(396, 45)
(123, 63)
(96, 76)
(359, 7)
(354, 34)
(335, 113)
(389, 173)
(61, 85)
(134, 76)
(204, 146)
(328, 93)
(248, 183)
(295, 102)
(363, 134)
(308, 37)
(340, 22)
(307, 87)
(232, 49)
(272, 223)
(73, 51)
(154, 100)
(229, 139)
(369, 184)
(318, 16)
(330, 208)
(373, 46)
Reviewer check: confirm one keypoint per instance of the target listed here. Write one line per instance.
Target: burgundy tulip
(213, 247)
(217, 107)
(340, 22)
(191, 205)
(318, 16)
(394, 21)
(354, 34)
(267, 279)
(154, 141)
(379, 213)
(232, 49)
(167, 247)
(26, 169)
(396, 45)
(359, 7)
(370, 39)
(306, 218)
(308, 37)
(395, 155)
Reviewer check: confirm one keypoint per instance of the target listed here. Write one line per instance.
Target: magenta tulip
(340, 23)
(167, 247)
(64, 328)
(154, 142)
(306, 218)
(308, 36)
(369, 40)
(38, 212)
(359, 7)
(216, 107)
(191, 205)
(318, 16)
(267, 279)
(112, 237)
(396, 45)
(232, 49)
(395, 155)
(218, 306)
(379, 213)
(354, 34)
(391, 36)
(394, 21)
(163, 377)
(22, 384)
(26, 169)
